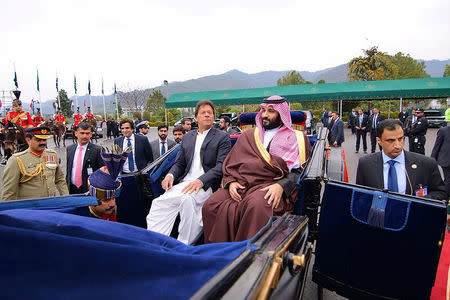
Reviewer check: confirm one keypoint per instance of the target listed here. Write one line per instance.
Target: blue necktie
(130, 157)
(163, 148)
(392, 177)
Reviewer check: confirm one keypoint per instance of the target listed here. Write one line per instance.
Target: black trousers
(373, 141)
(74, 190)
(361, 134)
(447, 178)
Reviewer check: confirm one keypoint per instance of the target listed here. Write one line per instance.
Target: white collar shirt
(399, 168)
(361, 116)
(196, 169)
(126, 168)
(268, 136)
(75, 160)
(160, 146)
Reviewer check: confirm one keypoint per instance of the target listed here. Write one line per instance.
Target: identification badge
(416, 140)
(89, 171)
(422, 191)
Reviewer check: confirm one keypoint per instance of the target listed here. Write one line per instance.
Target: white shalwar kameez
(166, 207)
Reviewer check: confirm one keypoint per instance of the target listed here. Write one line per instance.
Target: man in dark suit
(192, 179)
(418, 132)
(403, 115)
(141, 154)
(225, 125)
(352, 120)
(361, 125)
(83, 158)
(441, 153)
(337, 130)
(374, 119)
(161, 145)
(398, 170)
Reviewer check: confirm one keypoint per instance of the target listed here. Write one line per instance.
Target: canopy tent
(419, 88)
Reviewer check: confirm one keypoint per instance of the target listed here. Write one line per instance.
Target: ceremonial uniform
(38, 120)
(28, 176)
(417, 135)
(60, 119)
(78, 118)
(89, 116)
(21, 118)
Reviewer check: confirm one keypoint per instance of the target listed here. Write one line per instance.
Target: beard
(163, 136)
(272, 123)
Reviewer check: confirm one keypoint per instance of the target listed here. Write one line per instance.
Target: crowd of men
(228, 192)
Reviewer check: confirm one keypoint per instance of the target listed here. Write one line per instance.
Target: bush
(155, 123)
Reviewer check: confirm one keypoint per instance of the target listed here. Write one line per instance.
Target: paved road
(352, 162)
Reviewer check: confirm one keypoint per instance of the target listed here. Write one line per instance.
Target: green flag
(37, 80)
(89, 86)
(115, 90)
(102, 88)
(75, 83)
(15, 80)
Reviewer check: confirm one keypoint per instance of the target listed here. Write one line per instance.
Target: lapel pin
(414, 166)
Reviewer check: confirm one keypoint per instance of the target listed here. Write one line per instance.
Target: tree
(408, 67)
(66, 105)
(321, 81)
(374, 65)
(291, 78)
(155, 101)
(447, 71)
(133, 98)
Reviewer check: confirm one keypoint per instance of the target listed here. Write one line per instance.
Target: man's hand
(273, 195)
(357, 128)
(335, 143)
(364, 128)
(194, 186)
(232, 189)
(167, 182)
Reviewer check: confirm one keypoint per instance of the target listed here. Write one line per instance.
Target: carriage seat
(247, 120)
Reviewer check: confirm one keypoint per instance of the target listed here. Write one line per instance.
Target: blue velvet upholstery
(249, 117)
(395, 258)
(159, 174)
(53, 255)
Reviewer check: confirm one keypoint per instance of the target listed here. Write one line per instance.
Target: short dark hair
(226, 119)
(163, 126)
(203, 103)
(336, 112)
(388, 124)
(179, 128)
(184, 120)
(126, 121)
(84, 126)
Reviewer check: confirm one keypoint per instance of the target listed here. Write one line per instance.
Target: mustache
(42, 144)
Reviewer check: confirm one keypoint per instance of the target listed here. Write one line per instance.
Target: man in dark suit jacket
(361, 126)
(374, 119)
(403, 115)
(91, 160)
(141, 154)
(161, 145)
(337, 130)
(225, 125)
(398, 170)
(441, 153)
(197, 172)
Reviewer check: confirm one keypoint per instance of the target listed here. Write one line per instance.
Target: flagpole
(103, 95)
(76, 90)
(39, 91)
(57, 91)
(115, 99)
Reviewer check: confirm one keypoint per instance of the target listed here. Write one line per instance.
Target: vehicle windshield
(432, 114)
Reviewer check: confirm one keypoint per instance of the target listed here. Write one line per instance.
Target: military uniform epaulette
(20, 153)
(51, 151)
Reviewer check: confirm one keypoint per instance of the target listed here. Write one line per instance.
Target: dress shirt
(75, 160)
(125, 168)
(414, 119)
(360, 120)
(196, 167)
(399, 168)
(374, 124)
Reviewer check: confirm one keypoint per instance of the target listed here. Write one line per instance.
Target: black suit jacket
(92, 159)
(213, 151)
(420, 170)
(379, 119)
(142, 153)
(441, 149)
(337, 132)
(364, 123)
(402, 116)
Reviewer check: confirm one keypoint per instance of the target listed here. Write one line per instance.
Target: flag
(75, 83)
(0, 103)
(31, 104)
(84, 102)
(102, 88)
(37, 80)
(57, 88)
(71, 102)
(115, 90)
(89, 86)
(15, 79)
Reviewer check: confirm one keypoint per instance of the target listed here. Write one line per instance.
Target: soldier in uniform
(18, 116)
(89, 115)
(60, 118)
(38, 119)
(418, 132)
(35, 172)
(78, 118)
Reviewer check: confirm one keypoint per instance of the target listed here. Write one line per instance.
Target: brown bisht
(227, 220)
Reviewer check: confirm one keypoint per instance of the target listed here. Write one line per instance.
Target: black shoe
(365, 152)
(356, 151)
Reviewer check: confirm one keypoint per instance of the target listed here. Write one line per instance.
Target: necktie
(392, 176)
(130, 157)
(78, 167)
(163, 148)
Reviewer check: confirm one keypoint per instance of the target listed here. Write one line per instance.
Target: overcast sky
(141, 43)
